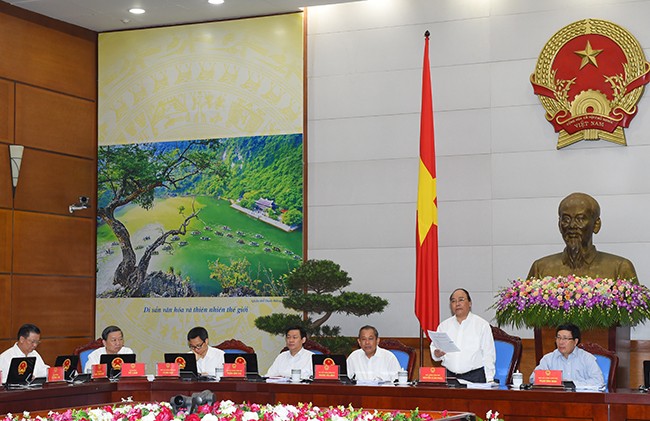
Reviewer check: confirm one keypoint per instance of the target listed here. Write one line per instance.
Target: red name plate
(133, 370)
(99, 371)
(326, 372)
(433, 375)
(56, 374)
(167, 370)
(548, 378)
(234, 370)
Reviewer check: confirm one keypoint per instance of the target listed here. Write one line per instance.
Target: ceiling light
(215, 1)
(136, 11)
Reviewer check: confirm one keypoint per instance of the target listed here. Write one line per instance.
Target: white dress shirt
(474, 339)
(213, 359)
(93, 357)
(285, 362)
(40, 369)
(381, 366)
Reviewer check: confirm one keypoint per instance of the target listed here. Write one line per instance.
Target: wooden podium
(615, 338)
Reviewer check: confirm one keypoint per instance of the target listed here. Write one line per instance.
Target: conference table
(513, 405)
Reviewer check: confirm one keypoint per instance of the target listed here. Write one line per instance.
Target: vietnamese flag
(426, 231)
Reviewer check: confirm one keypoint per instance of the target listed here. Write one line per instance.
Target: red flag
(426, 231)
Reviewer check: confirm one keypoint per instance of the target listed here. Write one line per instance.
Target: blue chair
(405, 354)
(508, 354)
(234, 346)
(84, 350)
(607, 361)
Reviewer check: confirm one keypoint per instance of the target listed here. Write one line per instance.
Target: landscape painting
(199, 218)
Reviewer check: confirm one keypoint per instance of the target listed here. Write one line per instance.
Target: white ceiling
(111, 15)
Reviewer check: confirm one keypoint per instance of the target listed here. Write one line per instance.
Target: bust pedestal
(615, 338)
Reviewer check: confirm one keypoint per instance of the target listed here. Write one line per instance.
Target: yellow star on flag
(588, 55)
(427, 210)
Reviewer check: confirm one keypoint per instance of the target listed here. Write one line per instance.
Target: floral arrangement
(586, 302)
(226, 411)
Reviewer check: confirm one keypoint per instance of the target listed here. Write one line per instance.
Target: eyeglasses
(33, 342)
(563, 339)
(196, 347)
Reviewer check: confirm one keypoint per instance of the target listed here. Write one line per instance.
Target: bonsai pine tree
(316, 289)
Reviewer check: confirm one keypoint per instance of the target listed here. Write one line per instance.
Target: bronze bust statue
(579, 220)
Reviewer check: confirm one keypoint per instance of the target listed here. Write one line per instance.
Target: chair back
(234, 346)
(84, 350)
(607, 361)
(405, 354)
(508, 354)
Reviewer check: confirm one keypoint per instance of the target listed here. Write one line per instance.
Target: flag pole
(427, 301)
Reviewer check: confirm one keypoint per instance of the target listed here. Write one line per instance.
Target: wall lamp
(15, 159)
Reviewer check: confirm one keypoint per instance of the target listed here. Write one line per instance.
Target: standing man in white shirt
(113, 341)
(295, 357)
(372, 363)
(27, 339)
(473, 336)
(208, 358)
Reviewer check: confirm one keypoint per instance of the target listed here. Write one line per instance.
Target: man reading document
(475, 362)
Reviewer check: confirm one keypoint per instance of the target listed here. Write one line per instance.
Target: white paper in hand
(442, 341)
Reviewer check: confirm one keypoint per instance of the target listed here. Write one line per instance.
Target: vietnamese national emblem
(589, 78)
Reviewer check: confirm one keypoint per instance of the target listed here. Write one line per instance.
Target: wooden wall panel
(6, 228)
(66, 305)
(6, 199)
(6, 111)
(42, 56)
(5, 307)
(51, 182)
(48, 95)
(55, 122)
(50, 348)
(52, 244)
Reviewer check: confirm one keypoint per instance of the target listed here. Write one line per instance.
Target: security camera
(84, 203)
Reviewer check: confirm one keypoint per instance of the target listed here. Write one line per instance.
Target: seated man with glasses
(113, 341)
(208, 358)
(27, 339)
(577, 365)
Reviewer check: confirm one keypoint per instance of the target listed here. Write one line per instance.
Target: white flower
(248, 416)
(99, 414)
(151, 416)
(209, 417)
(281, 412)
(488, 414)
(227, 407)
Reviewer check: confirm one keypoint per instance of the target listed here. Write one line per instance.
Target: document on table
(442, 341)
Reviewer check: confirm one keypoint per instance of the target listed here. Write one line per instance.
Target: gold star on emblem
(588, 55)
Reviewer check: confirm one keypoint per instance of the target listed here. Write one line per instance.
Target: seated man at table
(27, 339)
(295, 357)
(577, 365)
(370, 362)
(208, 358)
(113, 341)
